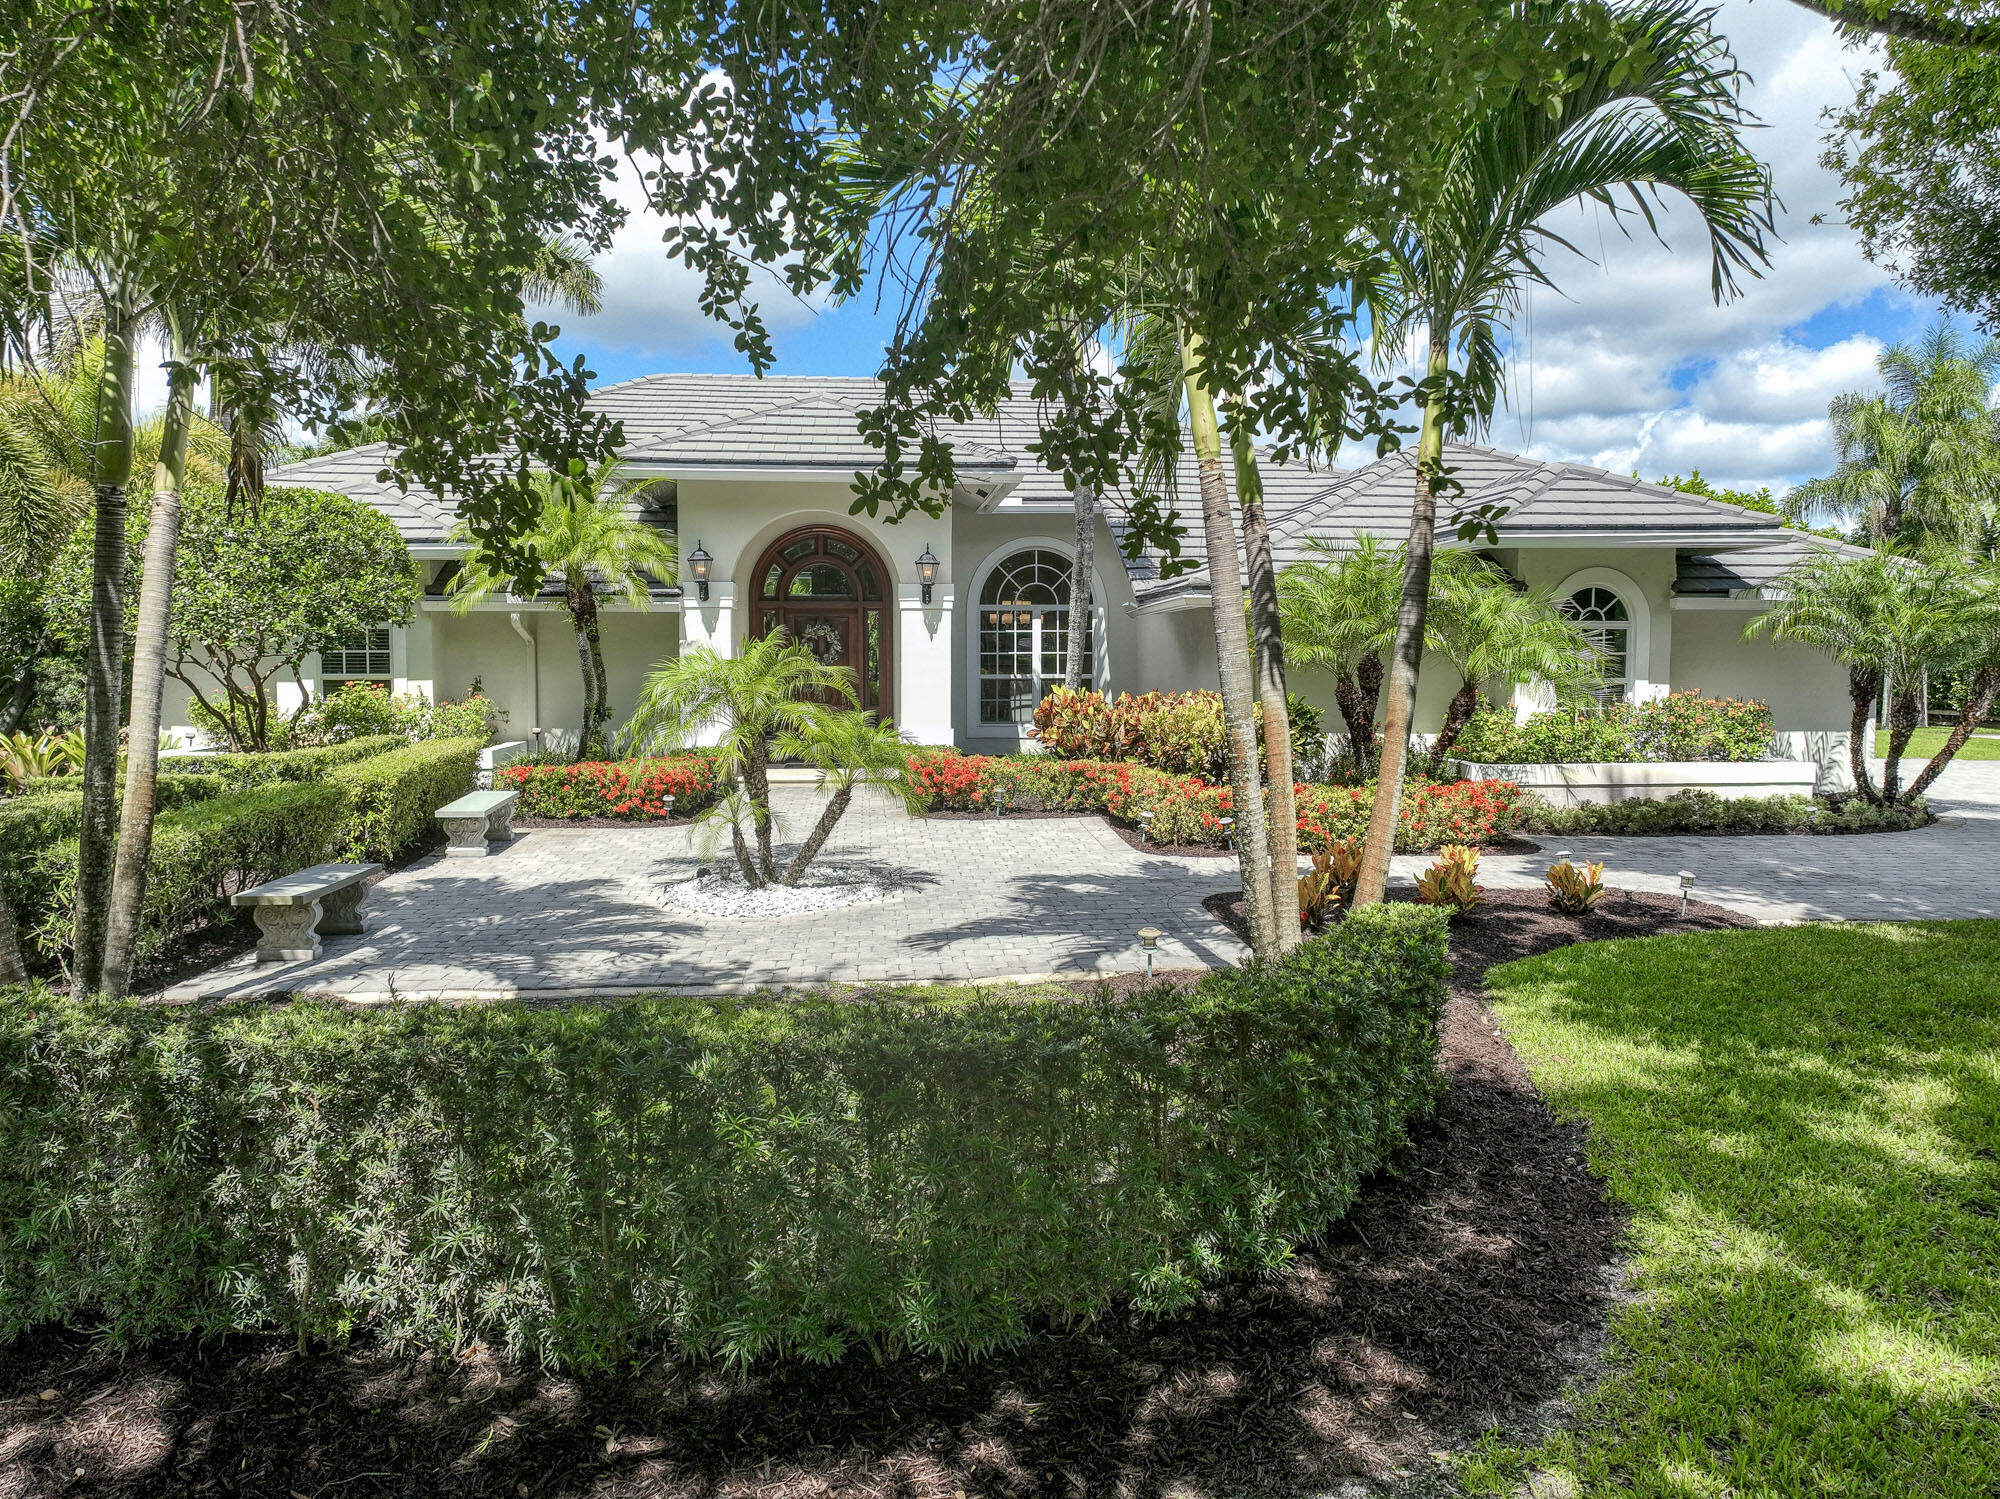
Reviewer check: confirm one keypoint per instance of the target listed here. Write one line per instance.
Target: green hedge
(201, 856)
(208, 842)
(1696, 811)
(239, 771)
(734, 1177)
(391, 797)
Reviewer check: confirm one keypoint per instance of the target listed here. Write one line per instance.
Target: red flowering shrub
(633, 789)
(1189, 810)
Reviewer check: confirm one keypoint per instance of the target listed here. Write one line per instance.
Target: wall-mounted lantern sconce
(698, 562)
(927, 567)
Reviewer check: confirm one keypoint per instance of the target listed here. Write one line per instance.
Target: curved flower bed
(1188, 810)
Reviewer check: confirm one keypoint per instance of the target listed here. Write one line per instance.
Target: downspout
(535, 668)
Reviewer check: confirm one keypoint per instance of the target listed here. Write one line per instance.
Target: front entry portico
(828, 589)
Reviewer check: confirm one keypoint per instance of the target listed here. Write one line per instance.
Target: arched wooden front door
(828, 589)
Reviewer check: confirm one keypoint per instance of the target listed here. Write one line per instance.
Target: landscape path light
(1149, 940)
(1687, 884)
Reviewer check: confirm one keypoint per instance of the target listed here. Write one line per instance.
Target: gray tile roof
(691, 421)
(1698, 574)
(1545, 501)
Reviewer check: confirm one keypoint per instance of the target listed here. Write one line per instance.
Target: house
(754, 475)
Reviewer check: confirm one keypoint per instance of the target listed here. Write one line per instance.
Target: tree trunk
(1268, 659)
(1369, 675)
(1081, 572)
(1232, 654)
(149, 679)
(1862, 685)
(757, 781)
(1979, 696)
(1456, 717)
(104, 660)
(743, 862)
(836, 808)
(601, 727)
(1902, 724)
(1359, 717)
(15, 713)
(1406, 658)
(584, 734)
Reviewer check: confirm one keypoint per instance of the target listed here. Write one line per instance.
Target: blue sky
(1632, 367)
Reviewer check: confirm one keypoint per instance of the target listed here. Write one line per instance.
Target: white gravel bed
(721, 892)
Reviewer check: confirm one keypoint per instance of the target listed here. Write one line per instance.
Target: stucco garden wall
(1806, 689)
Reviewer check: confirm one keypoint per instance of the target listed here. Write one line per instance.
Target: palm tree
(850, 750)
(1919, 462)
(774, 690)
(585, 535)
(1339, 614)
(1664, 119)
(1490, 630)
(1886, 620)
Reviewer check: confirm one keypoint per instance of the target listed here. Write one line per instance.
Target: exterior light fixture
(1149, 940)
(1145, 827)
(1562, 856)
(666, 806)
(698, 562)
(1687, 884)
(1228, 831)
(999, 801)
(927, 566)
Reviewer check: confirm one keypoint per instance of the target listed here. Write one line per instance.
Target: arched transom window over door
(1608, 625)
(1024, 615)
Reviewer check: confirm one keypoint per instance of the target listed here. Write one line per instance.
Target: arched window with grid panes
(1608, 626)
(1024, 617)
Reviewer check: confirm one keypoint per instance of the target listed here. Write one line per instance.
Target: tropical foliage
(773, 699)
(1920, 460)
(1889, 621)
(588, 536)
(1449, 270)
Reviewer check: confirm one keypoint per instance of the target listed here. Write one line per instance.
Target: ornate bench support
(287, 934)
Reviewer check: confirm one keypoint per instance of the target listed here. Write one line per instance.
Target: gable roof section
(419, 515)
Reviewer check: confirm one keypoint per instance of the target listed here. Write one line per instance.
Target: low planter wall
(1601, 782)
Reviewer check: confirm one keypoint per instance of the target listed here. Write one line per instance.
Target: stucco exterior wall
(1806, 690)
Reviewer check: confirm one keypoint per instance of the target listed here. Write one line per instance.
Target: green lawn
(1806, 1124)
(1927, 742)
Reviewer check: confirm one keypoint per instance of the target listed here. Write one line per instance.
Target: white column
(411, 656)
(709, 622)
(923, 663)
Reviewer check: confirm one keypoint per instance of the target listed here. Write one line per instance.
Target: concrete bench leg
(287, 933)
(467, 835)
(343, 912)
(500, 824)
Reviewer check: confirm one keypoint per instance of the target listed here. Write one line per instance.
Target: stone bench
(478, 820)
(293, 913)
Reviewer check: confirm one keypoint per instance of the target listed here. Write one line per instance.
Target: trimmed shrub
(242, 770)
(1190, 811)
(202, 854)
(1696, 811)
(724, 1176)
(605, 788)
(1178, 732)
(390, 799)
(361, 709)
(1681, 726)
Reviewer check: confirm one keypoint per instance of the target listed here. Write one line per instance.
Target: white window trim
(1099, 624)
(392, 682)
(1639, 625)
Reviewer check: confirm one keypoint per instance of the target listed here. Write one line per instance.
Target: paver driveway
(580, 911)
(1950, 869)
(569, 910)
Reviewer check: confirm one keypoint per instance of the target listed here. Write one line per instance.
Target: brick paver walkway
(574, 910)
(578, 910)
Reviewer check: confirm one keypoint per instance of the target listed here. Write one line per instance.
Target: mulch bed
(1461, 1292)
